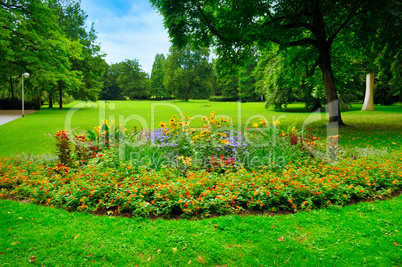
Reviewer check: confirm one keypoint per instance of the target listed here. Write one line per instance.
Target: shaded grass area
(368, 234)
(380, 128)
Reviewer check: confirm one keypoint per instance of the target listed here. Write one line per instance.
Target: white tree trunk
(369, 98)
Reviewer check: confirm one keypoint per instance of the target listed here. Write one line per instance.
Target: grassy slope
(380, 128)
(369, 234)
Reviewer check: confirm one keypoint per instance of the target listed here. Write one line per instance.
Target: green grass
(379, 128)
(368, 234)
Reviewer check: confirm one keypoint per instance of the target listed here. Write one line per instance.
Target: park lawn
(380, 128)
(366, 234)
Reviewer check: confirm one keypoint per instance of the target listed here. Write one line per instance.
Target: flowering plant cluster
(302, 185)
(213, 146)
(178, 169)
(106, 134)
(63, 147)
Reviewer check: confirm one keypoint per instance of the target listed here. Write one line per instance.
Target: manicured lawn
(368, 234)
(380, 128)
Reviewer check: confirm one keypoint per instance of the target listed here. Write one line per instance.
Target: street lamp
(25, 75)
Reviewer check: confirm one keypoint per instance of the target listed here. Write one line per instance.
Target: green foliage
(188, 73)
(48, 40)
(223, 98)
(158, 90)
(235, 28)
(63, 148)
(228, 85)
(31, 132)
(278, 79)
(14, 103)
(247, 80)
(110, 89)
(305, 184)
(383, 95)
(133, 81)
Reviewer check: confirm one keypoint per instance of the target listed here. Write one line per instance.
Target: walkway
(10, 115)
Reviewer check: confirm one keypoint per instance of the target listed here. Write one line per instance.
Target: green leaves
(188, 74)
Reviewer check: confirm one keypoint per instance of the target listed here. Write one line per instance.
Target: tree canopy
(235, 27)
(49, 40)
(188, 73)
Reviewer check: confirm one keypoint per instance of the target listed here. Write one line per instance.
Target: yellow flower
(262, 122)
(225, 141)
(276, 123)
(162, 124)
(172, 120)
(255, 125)
(293, 129)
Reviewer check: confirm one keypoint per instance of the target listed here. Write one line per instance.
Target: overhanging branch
(210, 26)
(305, 41)
(351, 15)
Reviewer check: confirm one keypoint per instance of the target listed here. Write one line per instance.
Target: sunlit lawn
(368, 234)
(379, 128)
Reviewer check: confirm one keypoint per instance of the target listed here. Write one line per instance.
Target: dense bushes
(223, 98)
(15, 103)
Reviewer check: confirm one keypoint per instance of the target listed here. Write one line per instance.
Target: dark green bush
(15, 103)
(223, 98)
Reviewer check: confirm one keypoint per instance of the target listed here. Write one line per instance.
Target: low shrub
(15, 103)
(223, 98)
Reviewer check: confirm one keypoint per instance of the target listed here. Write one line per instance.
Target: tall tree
(188, 73)
(34, 43)
(236, 26)
(110, 89)
(157, 88)
(247, 89)
(133, 81)
(89, 65)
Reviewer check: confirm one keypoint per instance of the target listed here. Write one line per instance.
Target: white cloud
(134, 33)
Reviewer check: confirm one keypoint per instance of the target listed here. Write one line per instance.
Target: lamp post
(25, 75)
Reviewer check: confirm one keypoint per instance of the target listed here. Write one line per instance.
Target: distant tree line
(275, 75)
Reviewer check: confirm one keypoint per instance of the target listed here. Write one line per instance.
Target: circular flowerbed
(198, 172)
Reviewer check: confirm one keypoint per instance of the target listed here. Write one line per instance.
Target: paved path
(10, 115)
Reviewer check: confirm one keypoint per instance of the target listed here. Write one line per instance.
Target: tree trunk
(330, 89)
(11, 87)
(60, 96)
(50, 100)
(39, 98)
(187, 93)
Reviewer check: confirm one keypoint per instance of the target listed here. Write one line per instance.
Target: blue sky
(128, 30)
